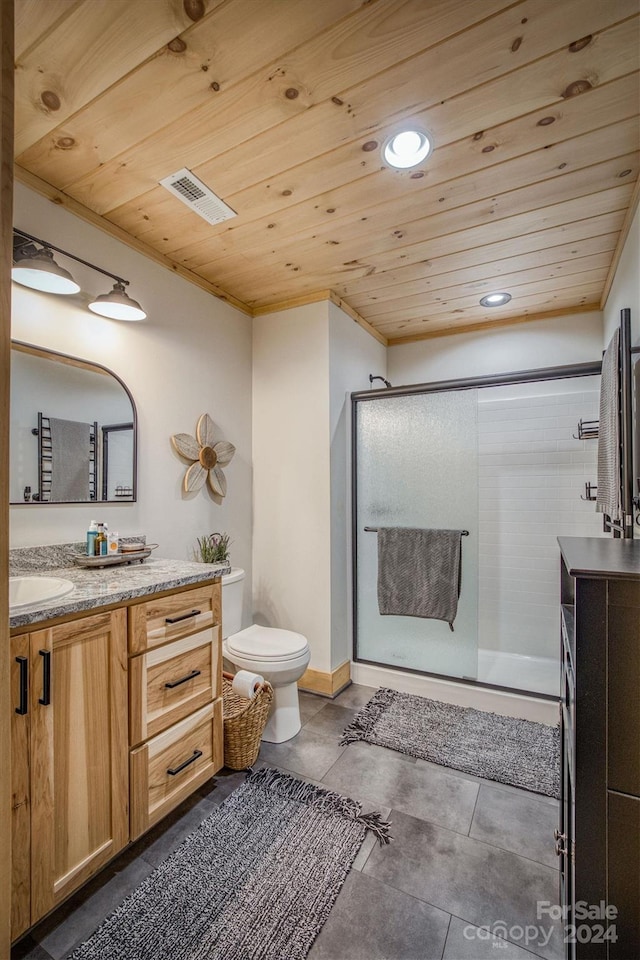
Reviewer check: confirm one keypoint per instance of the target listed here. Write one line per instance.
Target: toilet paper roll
(245, 684)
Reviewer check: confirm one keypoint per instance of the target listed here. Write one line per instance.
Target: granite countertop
(99, 587)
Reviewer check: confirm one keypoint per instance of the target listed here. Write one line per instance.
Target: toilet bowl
(280, 656)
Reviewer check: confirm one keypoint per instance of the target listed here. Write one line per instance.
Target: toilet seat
(269, 644)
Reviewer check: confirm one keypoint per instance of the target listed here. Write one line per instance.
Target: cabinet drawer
(172, 681)
(167, 618)
(169, 767)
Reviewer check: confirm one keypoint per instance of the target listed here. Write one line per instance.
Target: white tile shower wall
(532, 474)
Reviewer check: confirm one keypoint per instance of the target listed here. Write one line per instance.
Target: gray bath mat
(518, 752)
(257, 879)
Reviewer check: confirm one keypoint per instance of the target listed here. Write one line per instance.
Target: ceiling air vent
(186, 187)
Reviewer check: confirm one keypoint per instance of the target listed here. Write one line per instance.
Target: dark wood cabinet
(598, 838)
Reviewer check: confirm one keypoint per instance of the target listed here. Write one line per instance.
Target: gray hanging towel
(608, 496)
(419, 572)
(70, 460)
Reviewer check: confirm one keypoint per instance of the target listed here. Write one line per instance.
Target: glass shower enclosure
(417, 466)
(499, 458)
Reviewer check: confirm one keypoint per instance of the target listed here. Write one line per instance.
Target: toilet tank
(232, 587)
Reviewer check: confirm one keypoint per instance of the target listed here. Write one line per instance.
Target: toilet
(280, 656)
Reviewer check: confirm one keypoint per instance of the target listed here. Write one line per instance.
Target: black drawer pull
(184, 616)
(185, 763)
(45, 699)
(24, 685)
(189, 676)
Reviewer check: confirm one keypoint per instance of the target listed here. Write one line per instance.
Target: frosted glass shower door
(417, 466)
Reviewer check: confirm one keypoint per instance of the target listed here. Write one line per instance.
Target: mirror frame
(46, 354)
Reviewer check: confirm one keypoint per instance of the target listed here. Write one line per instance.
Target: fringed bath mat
(257, 879)
(518, 752)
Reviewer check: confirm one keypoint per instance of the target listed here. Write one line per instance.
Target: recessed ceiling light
(406, 149)
(495, 299)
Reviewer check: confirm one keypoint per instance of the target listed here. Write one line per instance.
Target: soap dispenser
(92, 533)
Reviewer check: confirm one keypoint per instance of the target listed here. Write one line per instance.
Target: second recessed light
(495, 299)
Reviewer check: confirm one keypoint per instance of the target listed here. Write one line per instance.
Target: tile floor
(467, 854)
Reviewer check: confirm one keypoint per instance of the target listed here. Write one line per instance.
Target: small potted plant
(214, 548)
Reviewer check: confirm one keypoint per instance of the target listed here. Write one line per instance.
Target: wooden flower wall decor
(207, 457)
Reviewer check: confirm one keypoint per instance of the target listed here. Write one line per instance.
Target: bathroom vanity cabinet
(69, 758)
(598, 839)
(116, 718)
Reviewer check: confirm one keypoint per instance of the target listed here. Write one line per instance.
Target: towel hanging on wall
(608, 496)
(419, 572)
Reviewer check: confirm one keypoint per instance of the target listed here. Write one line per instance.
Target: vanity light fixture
(35, 267)
(407, 148)
(117, 305)
(495, 299)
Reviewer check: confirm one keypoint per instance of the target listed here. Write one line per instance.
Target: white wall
(192, 355)
(305, 363)
(353, 355)
(523, 346)
(291, 463)
(625, 289)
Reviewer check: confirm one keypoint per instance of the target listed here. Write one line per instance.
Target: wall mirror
(73, 430)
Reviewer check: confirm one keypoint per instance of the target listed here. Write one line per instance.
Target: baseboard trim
(326, 684)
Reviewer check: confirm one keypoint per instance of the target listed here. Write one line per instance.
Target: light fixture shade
(117, 305)
(41, 272)
(407, 148)
(495, 299)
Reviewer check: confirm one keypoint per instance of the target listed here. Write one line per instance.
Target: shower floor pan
(536, 674)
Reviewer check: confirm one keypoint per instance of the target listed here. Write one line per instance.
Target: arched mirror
(73, 430)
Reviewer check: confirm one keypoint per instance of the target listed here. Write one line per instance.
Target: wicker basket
(244, 722)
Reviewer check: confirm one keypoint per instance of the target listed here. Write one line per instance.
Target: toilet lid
(267, 643)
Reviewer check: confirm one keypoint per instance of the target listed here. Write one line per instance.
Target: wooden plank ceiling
(280, 107)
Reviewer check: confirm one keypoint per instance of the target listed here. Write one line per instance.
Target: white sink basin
(25, 591)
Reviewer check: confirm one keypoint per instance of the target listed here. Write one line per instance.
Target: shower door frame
(441, 386)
